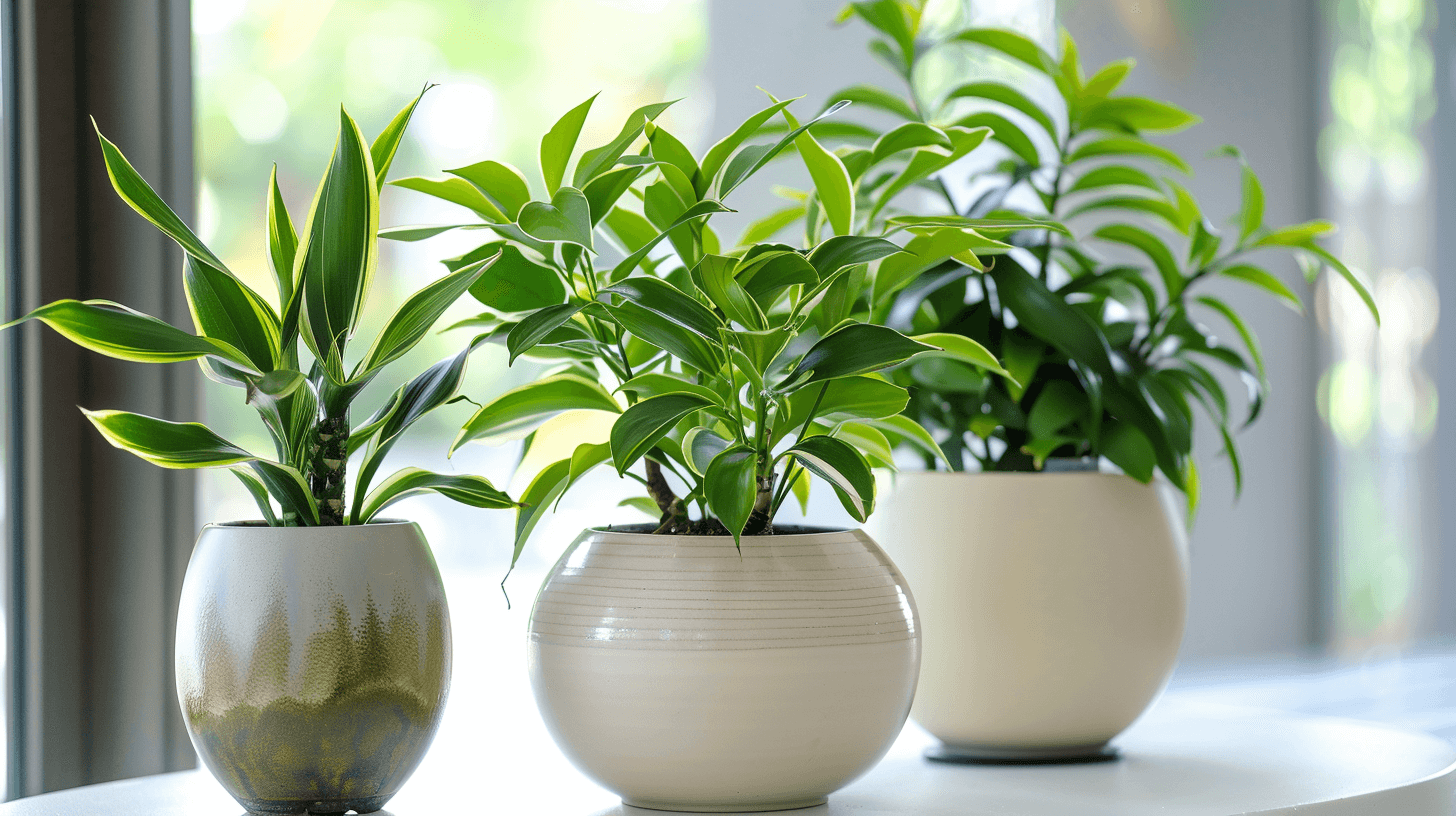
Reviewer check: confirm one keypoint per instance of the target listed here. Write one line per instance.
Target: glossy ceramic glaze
(682, 674)
(312, 663)
(1053, 605)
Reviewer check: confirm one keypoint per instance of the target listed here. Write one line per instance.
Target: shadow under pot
(682, 674)
(312, 662)
(1053, 607)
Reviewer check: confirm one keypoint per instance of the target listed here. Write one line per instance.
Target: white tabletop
(1185, 758)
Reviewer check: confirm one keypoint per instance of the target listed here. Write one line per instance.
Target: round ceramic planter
(312, 662)
(1053, 606)
(682, 674)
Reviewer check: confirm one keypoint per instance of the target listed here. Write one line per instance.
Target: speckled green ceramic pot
(312, 663)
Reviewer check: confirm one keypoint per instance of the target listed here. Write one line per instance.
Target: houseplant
(1051, 632)
(711, 662)
(320, 634)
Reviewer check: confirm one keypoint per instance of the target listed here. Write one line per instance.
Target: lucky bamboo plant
(1106, 356)
(323, 277)
(736, 371)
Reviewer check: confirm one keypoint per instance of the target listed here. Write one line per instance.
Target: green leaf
(768, 274)
(700, 445)
(653, 384)
(1008, 96)
(858, 348)
(516, 282)
(901, 429)
(1251, 342)
(643, 425)
(908, 136)
(752, 158)
(698, 210)
(843, 467)
(1232, 451)
(1005, 131)
(566, 219)
(1262, 279)
(1049, 317)
(849, 398)
(116, 331)
(718, 154)
(665, 147)
(831, 180)
(1128, 146)
(643, 504)
(288, 487)
(895, 19)
(964, 349)
(835, 253)
(585, 458)
(1151, 246)
(475, 491)
(1156, 207)
(930, 160)
(1017, 46)
(1114, 175)
(140, 196)
(339, 252)
(521, 410)
(535, 327)
(1344, 271)
(1107, 79)
(1296, 235)
(605, 190)
(1059, 403)
(731, 486)
(1251, 210)
(282, 244)
(1129, 449)
(224, 308)
(557, 144)
(667, 301)
(761, 348)
(536, 500)
(869, 441)
(503, 184)
(921, 253)
(598, 160)
(176, 445)
(670, 335)
(454, 190)
(714, 277)
(259, 492)
(1135, 113)
(872, 97)
(386, 144)
(417, 314)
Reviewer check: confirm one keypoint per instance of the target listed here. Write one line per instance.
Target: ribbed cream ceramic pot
(682, 674)
(312, 662)
(1053, 605)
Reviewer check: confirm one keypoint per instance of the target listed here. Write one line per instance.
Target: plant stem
(328, 460)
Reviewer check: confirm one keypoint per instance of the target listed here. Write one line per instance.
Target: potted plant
(313, 647)
(709, 660)
(1054, 594)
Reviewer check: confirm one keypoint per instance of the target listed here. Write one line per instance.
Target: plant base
(1000, 755)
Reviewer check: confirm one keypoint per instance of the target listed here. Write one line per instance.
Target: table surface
(1187, 757)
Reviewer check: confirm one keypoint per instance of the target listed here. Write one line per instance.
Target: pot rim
(260, 524)
(807, 532)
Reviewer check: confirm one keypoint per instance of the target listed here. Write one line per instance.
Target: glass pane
(269, 77)
(1377, 394)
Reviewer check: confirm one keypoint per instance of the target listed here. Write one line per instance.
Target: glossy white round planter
(1053, 606)
(312, 662)
(683, 675)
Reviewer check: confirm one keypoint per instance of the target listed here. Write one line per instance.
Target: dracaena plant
(323, 277)
(728, 370)
(1107, 357)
